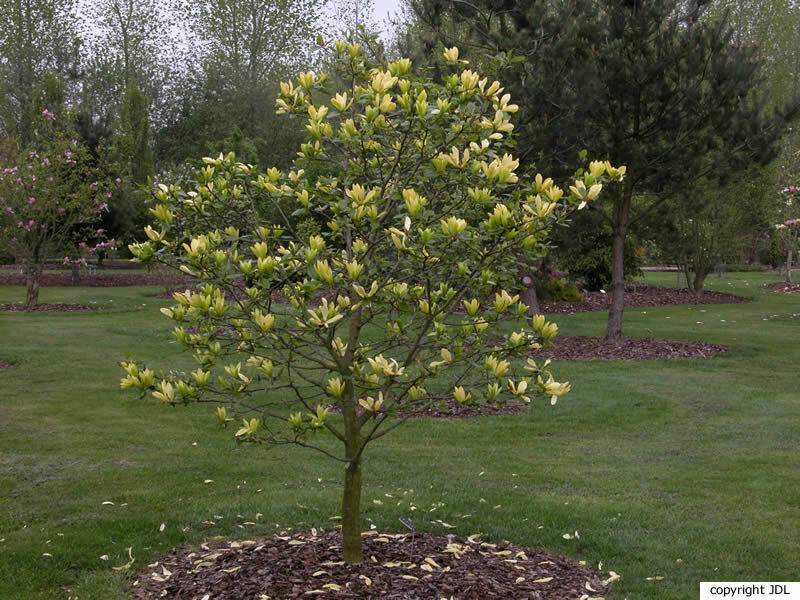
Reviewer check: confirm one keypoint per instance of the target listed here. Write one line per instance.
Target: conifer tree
(645, 84)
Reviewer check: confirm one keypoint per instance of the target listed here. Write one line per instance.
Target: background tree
(424, 212)
(49, 195)
(36, 37)
(644, 84)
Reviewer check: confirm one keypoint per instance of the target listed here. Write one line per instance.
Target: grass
(681, 469)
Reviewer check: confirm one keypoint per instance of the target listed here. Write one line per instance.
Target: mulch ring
(100, 279)
(784, 287)
(638, 296)
(5, 365)
(581, 347)
(46, 307)
(447, 407)
(416, 566)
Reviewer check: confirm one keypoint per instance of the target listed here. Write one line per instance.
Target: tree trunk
(789, 265)
(699, 280)
(351, 505)
(528, 293)
(622, 209)
(33, 273)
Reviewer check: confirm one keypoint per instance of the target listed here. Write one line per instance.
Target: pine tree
(644, 84)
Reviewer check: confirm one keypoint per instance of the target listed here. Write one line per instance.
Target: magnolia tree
(789, 229)
(396, 305)
(50, 199)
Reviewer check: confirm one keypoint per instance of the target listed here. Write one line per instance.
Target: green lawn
(683, 469)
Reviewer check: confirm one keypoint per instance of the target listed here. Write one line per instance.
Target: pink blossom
(31, 200)
(50, 179)
(118, 181)
(99, 231)
(9, 210)
(48, 115)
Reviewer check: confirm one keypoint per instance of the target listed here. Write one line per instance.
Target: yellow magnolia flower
(263, 322)
(340, 102)
(414, 202)
(371, 404)
(326, 315)
(249, 428)
(453, 226)
(554, 389)
(492, 90)
(386, 105)
(398, 67)
(549, 331)
(307, 79)
(461, 396)
(451, 54)
(472, 306)
(166, 393)
(317, 114)
(503, 300)
(335, 387)
(354, 269)
(382, 81)
(617, 173)
(469, 79)
(222, 415)
(597, 168)
(200, 377)
(388, 367)
(324, 271)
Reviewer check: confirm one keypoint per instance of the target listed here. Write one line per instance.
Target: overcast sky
(384, 6)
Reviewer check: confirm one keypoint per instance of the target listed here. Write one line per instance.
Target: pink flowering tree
(51, 196)
(789, 228)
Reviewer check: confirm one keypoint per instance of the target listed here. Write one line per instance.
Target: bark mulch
(414, 566)
(581, 347)
(5, 365)
(101, 279)
(637, 296)
(784, 287)
(46, 307)
(448, 408)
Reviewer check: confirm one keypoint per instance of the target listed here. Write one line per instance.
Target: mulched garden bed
(638, 296)
(447, 407)
(47, 307)
(582, 347)
(784, 287)
(101, 279)
(415, 566)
